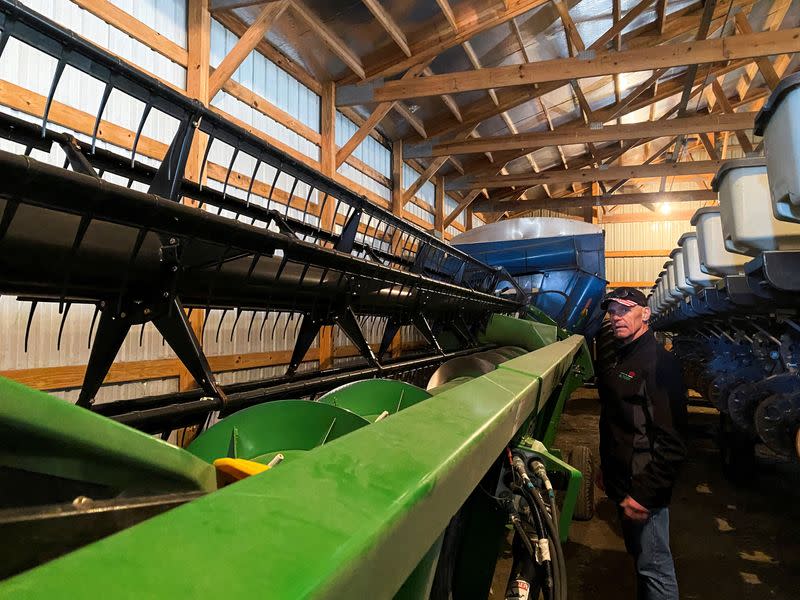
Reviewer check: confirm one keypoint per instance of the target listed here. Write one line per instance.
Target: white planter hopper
(745, 206)
(662, 303)
(672, 278)
(691, 262)
(680, 271)
(779, 123)
(714, 258)
(669, 283)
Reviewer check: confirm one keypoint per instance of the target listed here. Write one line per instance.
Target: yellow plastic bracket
(230, 470)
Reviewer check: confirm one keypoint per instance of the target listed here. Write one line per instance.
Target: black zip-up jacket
(642, 423)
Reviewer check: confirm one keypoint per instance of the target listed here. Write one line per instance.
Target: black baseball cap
(627, 296)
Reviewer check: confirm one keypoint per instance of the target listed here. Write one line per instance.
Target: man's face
(629, 322)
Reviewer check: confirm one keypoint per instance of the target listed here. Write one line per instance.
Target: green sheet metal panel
(510, 331)
(261, 431)
(349, 520)
(44, 434)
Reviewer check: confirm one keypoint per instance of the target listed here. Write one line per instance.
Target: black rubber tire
(580, 457)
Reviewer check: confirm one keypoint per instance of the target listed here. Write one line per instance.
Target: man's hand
(633, 510)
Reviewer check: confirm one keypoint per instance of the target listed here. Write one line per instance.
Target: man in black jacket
(642, 426)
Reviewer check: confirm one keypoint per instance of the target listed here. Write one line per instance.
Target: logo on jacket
(627, 376)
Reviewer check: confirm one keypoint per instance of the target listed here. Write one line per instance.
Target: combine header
(388, 477)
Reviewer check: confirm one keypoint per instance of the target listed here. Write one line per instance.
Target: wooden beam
(622, 23)
(464, 204)
(71, 376)
(709, 146)
(616, 111)
(437, 35)
(372, 121)
(699, 52)
(661, 15)
(220, 5)
(719, 93)
(637, 253)
(448, 100)
(680, 23)
(119, 19)
(438, 206)
(198, 22)
(412, 119)
(397, 177)
(646, 217)
(447, 10)
(570, 28)
(435, 165)
(230, 21)
(333, 41)
(477, 112)
(328, 166)
(492, 206)
(389, 24)
(773, 21)
(527, 142)
(587, 175)
(766, 68)
(246, 44)
(635, 284)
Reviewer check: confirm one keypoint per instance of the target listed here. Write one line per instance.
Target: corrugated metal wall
(32, 70)
(29, 68)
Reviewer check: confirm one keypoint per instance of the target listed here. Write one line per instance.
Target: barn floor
(728, 541)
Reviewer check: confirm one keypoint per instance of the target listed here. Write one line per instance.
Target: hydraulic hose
(553, 536)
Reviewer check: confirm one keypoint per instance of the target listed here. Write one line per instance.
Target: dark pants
(648, 543)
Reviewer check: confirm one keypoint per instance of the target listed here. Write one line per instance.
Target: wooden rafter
(490, 206)
(753, 45)
(389, 24)
(479, 111)
(464, 204)
(764, 66)
(438, 206)
(705, 167)
(412, 119)
(719, 93)
(331, 39)
(246, 44)
(423, 178)
(661, 15)
(680, 23)
(436, 36)
(774, 20)
(372, 121)
(629, 131)
(447, 10)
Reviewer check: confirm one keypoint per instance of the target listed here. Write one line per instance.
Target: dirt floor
(727, 541)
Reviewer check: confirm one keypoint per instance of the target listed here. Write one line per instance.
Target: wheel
(580, 457)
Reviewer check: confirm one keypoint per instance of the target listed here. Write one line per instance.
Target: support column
(438, 207)
(327, 159)
(199, 54)
(396, 346)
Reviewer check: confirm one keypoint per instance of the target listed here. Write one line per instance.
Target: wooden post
(328, 167)
(468, 219)
(199, 53)
(397, 208)
(438, 206)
